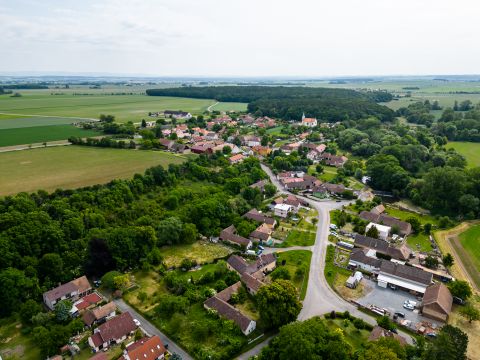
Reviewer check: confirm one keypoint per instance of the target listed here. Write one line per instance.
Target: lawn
(299, 238)
(470, 150)
(40, 134)
(295, 259)
(356, 338)
(70, 167)
(124, 107)
(422, 240)
(469, 251)
(201, 251)
(332, 271)
(275, 130)
(230, 106)
(15, 345)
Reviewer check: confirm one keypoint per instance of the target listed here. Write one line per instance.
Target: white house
(310, 122)
(282, 210)
(383, 230)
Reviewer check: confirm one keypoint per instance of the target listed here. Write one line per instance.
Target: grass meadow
(296, 259)
(123, 107)
(70, 167)
(230, 106)
(470, 150)
(39, 134)
(470, 241)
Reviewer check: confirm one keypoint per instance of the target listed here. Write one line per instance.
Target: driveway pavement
(392, 300)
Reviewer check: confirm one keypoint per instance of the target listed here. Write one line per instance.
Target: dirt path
(211, 106)
(448, 242)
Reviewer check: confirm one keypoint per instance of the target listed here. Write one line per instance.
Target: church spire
(303, 116)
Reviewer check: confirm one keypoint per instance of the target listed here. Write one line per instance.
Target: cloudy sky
(241, 37)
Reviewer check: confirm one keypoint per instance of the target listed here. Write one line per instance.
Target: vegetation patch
(298, 238)
(39, 134)
(297, 262)
(70, 167)
(470, 150)
(202, 252)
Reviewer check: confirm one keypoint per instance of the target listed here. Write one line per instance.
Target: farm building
(437, 302)
(403, 276)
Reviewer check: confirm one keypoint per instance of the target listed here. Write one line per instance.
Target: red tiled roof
(117, 327)
(146, 349)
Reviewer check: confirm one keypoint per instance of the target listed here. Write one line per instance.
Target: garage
(404, 277)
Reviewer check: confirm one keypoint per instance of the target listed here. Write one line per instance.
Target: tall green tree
(278, 303)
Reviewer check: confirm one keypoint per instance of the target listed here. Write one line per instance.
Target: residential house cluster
(113, 331)
(377, 217)
(74, 291)
(251, 276)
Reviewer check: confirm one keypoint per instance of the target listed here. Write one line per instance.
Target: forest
(50, 238)
(291, 102)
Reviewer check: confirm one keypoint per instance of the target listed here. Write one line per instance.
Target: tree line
(291, 102)
(50, 238)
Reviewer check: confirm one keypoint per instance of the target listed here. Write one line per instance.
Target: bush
(171, 304)
(108, 279)
(281, 273)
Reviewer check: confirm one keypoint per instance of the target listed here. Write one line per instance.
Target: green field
(297, 259)
(470, 150)
(31, 121)
(71, 167)
(299, 238)
(39, 134)
(470, 241)
(230, 106)
(124, 107)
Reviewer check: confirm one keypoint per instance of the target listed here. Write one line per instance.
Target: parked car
(400, 314)
(458, 301)
(409, 304)
(136, 322)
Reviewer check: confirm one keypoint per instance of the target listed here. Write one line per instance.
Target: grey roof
(225, 309)
(238, 263)
(229, 234)
(371, 243)
(251, 282)
(255, 215)
(358, 255)
(406, 272)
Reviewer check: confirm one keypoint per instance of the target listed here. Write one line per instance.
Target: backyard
(201, 251)
(295, 260)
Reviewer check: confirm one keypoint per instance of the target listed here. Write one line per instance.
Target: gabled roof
(225, 309)
(255, 215)
(238, 263)
(406, 272)
(117, 327)
(80, 284)
(379, 332)
(146, 349)
(358, 255)
(438, 294)
(251, 282)
(229, 234)
(226, 294)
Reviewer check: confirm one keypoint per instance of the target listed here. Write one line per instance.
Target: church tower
(303, 117)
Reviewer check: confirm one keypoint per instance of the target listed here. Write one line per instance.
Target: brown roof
(88, 318)
(225, 309)
(102, 311)
(238, 263)
(146, 349)
(406, 272)
(117, 327)
(251, 282)
(226, 294)
(404, 227)
(369, 216)
(255, 215)
(438, 294)
(259, 184)
(229, 234)
(378, 209)
(81, 285)
(262, 232)
(379, 332)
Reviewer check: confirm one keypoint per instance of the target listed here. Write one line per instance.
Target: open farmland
(39, 134)
(230, 106)
(123, 107)
(71, 167)
(470, 150)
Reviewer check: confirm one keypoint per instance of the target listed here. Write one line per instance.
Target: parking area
(393, 300)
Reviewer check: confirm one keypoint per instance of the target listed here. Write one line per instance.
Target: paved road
(152, 330)
(320, 298)
(255, 350)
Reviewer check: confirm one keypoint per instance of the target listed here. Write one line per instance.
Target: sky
(208, 38)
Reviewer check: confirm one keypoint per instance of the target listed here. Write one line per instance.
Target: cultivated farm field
(39, 134)
(123, 107)
(70, 167)
(470, 150)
